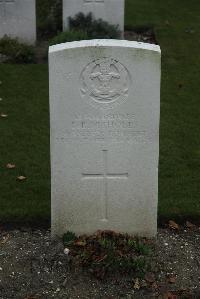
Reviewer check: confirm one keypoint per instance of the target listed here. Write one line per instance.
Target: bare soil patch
(144, 35)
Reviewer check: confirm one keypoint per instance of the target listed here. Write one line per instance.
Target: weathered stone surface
(18, 19)
(111, 11)
(104, 111)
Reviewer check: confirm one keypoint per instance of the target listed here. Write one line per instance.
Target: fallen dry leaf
(80, 243)
(10, 166)
(106, 233)
(4, 115)
(150, 277)
(5, 239)
(143, 284)
(136, 284)
(154, 286)
(21, 178)
(190, 225)
(173, 225)
(100, 258)
(169, 295)
(172, 279)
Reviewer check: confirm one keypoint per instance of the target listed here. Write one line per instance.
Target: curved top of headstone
(104, 43)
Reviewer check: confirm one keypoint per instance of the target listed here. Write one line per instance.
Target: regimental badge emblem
(105, 82)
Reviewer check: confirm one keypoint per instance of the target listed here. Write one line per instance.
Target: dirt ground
(34, 267)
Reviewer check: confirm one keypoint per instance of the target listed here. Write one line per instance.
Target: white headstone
(18, 19)
(111, 11)
(104, 111)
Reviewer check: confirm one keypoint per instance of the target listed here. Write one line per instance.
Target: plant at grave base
(141, 247)
(140, 266)
(131, 242)
(15, 51)
(93, 28)
(68, 238)
(106, 252)
(68, 36)
(107, 244)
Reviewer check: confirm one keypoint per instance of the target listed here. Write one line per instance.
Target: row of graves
(18, 17)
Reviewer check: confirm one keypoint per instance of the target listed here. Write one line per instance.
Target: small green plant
(80, 21)
(15, 51)
(83, 27)
(68, 36)
(107, 244)
(93, 28)
(68, 238)
(131, 242)
(108, 251)
(142, 248)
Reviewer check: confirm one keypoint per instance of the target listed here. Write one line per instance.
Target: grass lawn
(177, 29)
(24, 142)
(25, 132)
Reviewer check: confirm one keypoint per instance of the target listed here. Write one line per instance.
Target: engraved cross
(93, 1)
(3, 4)
(105, 176)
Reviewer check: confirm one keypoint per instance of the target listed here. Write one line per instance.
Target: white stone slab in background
(104, 111)
(111, 11)
(18, 19)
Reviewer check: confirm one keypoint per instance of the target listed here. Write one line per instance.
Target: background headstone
(18, 19)
(104, 110)
(111, 11)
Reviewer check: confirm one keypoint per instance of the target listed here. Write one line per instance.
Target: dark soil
(145, 36)
(34, 267)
